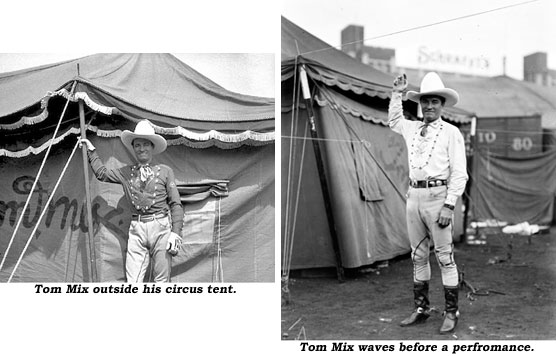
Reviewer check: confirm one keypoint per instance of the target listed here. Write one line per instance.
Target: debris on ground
(519, 303)
(523, 228)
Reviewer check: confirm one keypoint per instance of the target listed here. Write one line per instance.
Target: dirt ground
(519, 272)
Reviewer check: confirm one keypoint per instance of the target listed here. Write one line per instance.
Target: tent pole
(92, 255)
(472, 170)
(322, 175)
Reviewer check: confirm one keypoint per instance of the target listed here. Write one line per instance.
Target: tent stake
(92, 255)
(322, 176)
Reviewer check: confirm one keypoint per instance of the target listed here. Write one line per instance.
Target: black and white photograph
(418, 161)
(138, 144)
(136, 167)
(277, 177)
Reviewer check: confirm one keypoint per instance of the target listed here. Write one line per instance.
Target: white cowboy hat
(432, 85)
(144, 129)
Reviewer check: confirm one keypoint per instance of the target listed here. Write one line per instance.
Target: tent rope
(297, 195)
(322, 139)
(46, 206)
(422, 26)
(36, 180)
(298, 190)
(43, 115)
(286, 237)
(290, 229)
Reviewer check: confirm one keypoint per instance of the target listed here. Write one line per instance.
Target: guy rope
(36, 179)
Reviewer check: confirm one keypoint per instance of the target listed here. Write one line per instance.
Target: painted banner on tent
(58, 249)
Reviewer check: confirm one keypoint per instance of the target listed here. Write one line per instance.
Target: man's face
(143, 149)
(431, 105)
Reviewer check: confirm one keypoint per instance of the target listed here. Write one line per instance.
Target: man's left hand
(173, 245)
(445, 217)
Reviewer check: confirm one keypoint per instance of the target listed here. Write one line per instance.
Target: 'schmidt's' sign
(427, 56)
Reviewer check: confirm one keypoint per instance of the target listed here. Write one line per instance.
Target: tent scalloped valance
(213, 142)
(31, 120)
(349, 110)
(331, 78)
(322, 101)
(189, 138)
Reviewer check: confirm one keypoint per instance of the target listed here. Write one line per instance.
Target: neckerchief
(146, 172)
(425, 126)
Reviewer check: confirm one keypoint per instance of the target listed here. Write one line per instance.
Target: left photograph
(137, 168)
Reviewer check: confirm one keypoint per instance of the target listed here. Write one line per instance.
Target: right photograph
(418, 171)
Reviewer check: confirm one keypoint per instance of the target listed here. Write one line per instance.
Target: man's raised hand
(400, 83)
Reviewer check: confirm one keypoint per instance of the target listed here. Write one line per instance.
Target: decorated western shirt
(439, 154)
(150, 189)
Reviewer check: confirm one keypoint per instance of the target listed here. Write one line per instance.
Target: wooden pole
(322, 175)
(472, 159)
(92, 254)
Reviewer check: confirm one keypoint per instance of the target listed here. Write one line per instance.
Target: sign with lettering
(510, 137)
(60, 245)
(440, 60)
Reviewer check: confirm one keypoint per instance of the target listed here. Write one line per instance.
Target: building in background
(383, 59)
(535, 70)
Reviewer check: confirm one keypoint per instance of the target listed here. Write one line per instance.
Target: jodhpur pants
(423, 210)
(147, 243)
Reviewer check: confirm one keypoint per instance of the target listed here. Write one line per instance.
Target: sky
(231, 42)
(512, 32)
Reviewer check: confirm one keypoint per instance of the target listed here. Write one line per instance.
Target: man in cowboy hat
(157, 212)
(437, 175)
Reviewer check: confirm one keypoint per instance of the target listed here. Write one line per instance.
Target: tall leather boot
(421, 299)
(451, 314)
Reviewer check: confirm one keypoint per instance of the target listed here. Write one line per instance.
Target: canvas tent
(365, 163)
(515, 156)
(221, 148)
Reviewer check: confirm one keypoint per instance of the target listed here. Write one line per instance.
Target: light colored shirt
(440, 154)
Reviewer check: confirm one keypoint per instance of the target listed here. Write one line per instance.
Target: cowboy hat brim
(450, 95)
(158, 141)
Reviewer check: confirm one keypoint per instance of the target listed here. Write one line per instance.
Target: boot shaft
(451, 295)
(421, 295)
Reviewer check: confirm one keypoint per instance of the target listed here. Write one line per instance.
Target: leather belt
(427, 183)
(148, 217)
